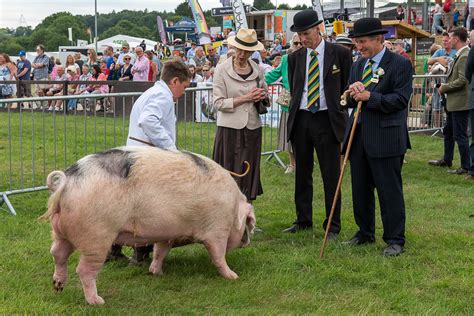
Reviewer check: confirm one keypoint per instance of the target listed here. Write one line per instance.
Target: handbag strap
(258, 80)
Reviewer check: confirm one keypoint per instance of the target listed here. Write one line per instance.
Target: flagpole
(95, 21)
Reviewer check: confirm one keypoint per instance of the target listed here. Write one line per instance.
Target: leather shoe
(469, 177)
(358, 240)
(457, 171)
(332, 236)
(393, 250)
(440, 163)
(296, 228)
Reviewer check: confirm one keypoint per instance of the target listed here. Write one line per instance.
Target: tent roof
(404, 30)
(117, 40)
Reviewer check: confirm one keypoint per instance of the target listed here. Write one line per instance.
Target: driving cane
(341, 176)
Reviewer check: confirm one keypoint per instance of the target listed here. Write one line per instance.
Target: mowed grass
(279, 273)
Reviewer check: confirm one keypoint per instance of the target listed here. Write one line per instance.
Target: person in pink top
(97, 75)
(141, 67)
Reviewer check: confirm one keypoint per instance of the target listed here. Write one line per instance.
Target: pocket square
(335, 71)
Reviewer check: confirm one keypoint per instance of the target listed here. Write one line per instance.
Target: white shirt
(322, 97)
(153, 118)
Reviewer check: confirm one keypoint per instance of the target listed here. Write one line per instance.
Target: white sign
(239, 15)
(69, 29)
(82, 43)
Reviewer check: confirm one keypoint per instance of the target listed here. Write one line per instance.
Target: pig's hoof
(95, 300)
(155, 270)
(230, 275)
(58, 285)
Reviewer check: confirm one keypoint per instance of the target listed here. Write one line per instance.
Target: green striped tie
(367, 76)
(313, 83)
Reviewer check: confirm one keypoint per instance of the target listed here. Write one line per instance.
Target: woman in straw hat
(238, 85)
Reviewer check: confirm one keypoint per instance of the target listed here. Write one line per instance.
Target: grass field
(279, 273)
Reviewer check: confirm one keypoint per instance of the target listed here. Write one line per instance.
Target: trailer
(271, 24)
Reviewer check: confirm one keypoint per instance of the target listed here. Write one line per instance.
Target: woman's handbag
(262, 105)
(6, 90)
(284, 98)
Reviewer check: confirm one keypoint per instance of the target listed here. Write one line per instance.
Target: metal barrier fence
(425, 112)
(35, 140)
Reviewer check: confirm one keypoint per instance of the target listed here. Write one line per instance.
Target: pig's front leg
(217, 250)
(160, 251)
(61, 250)
(88, 267)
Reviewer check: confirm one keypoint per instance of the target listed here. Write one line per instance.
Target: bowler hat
(366, 27)
(304, 20)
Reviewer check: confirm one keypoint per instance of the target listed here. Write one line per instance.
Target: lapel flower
(380, 72)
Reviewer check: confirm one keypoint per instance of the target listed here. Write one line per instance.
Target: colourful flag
(199, 19)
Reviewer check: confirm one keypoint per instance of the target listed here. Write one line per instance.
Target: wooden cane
(341, 176)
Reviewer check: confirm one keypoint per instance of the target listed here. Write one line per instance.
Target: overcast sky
(34, 11)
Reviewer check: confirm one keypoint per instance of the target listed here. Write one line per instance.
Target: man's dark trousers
(314, 132)
(385, 173)
(471, 169)
(456, 131)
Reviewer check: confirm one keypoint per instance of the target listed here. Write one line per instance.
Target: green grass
(279, 274)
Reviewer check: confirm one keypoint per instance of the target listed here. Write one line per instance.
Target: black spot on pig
(201, 163)
(73, 171)
(115, 161)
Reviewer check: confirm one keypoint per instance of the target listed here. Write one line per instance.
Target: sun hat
(304, 20)
(246, 39)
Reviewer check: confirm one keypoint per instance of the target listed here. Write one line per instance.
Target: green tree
(300, 7)
(283, 6)
(183, 9)
(263, 4)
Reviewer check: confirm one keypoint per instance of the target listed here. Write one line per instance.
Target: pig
(136, 196)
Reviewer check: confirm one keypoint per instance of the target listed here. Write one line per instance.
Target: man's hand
(362, 96)
(356, 87)
(443, 60)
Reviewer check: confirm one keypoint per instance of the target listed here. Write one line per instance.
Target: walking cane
(341, 176)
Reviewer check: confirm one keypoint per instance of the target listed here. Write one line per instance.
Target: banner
(228, 22)
(161, 30)
(239, 15)
(319, 10)
(201, 25)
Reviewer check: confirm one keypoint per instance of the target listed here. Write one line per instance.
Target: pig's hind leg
(217, 249)
(61, 250)
(90, 263)
(160, 251)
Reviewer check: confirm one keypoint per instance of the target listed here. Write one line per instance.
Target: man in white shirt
(153, 121)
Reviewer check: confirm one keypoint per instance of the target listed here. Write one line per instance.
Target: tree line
(53, 30)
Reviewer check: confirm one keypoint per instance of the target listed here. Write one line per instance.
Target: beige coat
(227, 85)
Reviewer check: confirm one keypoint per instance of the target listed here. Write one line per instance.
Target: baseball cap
(22, 53)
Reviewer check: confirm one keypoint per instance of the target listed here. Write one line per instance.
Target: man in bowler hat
(383, 81)
(317, 76)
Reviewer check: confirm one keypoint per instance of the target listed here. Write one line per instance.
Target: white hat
(246, 39)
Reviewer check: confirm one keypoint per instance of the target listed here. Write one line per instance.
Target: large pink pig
(142, 195)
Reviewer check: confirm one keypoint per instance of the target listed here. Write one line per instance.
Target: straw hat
(246, 39)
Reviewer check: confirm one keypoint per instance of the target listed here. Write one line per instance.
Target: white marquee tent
(117, 40)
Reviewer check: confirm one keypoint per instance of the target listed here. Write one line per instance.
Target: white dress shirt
(322, 97)
(153, 119)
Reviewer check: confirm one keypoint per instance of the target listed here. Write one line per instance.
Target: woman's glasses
(297, 43)
(126, 59)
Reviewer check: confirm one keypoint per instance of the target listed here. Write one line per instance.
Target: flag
(198, 15)
(319, 10)
(161, 29)
(239, 14)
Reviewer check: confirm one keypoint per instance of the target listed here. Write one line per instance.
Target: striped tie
(367, 76)
(313, 83)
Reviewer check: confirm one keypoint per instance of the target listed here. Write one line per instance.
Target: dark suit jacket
(383, 119)
(469, 76)
(337, 64)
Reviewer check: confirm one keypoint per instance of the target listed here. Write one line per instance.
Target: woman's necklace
(236, 65)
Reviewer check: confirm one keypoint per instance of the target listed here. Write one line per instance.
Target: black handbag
(262, 105)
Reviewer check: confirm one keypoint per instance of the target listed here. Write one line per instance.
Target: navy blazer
(469, 75)
(383, 119)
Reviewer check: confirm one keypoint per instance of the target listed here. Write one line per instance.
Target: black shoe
(296, 228)
(393, 250)
(459, 171)
(332, 236)
(141, 254)
(358, 240)
(440, 163)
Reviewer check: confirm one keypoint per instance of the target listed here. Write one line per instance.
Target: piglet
(141, 195)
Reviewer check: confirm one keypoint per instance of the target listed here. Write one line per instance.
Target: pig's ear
(251, 221)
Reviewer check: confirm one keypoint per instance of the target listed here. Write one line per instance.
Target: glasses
(297, 43)
(126, 59)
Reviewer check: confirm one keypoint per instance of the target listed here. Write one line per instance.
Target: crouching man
(153, 121)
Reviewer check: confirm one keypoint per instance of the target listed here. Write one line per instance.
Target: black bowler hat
(366, 27)
(304, 20)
